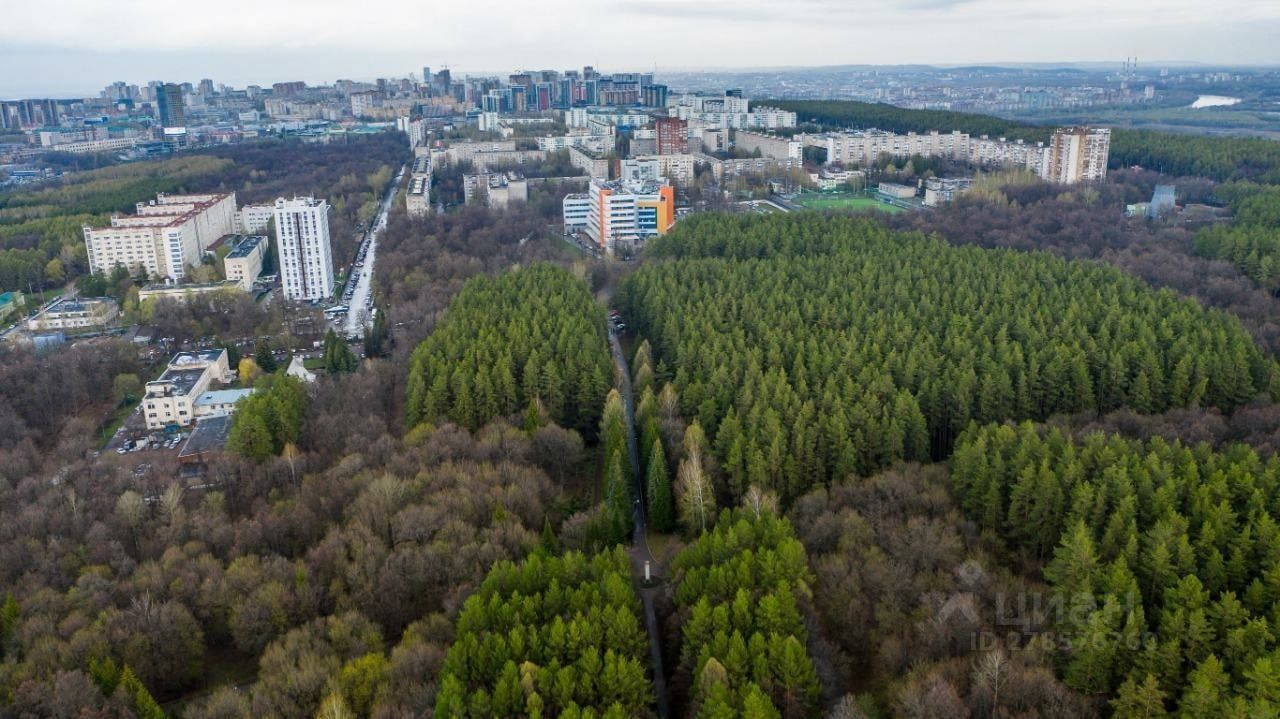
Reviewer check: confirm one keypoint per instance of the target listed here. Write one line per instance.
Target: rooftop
(182, 381)
(210, 434)
(246, 246)
(223, 396)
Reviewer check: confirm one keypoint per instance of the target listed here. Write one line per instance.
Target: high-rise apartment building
(302, 243)
(673, 135)
(1079, 154)
(173, 113)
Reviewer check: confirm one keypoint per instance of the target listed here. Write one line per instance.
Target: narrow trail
(640, 554)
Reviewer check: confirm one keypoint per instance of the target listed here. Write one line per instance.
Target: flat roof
(183, 380)
(209, 434)
(223, 396)
(245, 246)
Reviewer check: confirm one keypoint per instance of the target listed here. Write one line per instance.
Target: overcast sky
(75, 47)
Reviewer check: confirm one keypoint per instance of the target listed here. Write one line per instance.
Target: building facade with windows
(303, 249)
(613, 214)
(163, 236)
(171, 399)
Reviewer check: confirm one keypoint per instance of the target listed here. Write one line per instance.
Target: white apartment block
(1074, 155)
(677, 168)
(592, 143)
(769, 145)
(1078, 154)
(496, 190)
(305, 255)
(164, 236)
(253, 219)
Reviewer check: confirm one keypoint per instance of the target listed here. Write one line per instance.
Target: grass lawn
(841, 202)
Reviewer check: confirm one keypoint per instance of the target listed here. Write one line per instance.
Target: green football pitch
(825, 201)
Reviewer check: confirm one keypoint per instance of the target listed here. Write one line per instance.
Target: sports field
(840, 201)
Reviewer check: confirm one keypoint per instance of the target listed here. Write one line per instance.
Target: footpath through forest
(640, 554)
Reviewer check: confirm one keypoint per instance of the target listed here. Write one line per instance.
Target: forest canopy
(811, 348)
(1164, 554)
(552, 636)
(531, 335)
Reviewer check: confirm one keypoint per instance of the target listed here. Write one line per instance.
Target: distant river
(1214, 101)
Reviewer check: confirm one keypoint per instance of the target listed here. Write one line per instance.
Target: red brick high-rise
(673, 135)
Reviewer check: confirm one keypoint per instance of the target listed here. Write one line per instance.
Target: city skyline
(241, 44)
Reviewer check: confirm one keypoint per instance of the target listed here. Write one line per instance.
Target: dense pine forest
(1163, 556)
(550, 637)
(532, 337)
(743, 637)
(811, 348)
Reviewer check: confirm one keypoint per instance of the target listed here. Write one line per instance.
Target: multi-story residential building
(254, 219)
(1079, 154)
(677, 168)
(592, 143)
(304, 252)
(594, 164)
(768, 145)
(614, 214)
(243, 264)
(759, 166)
(417, 201)
(495, 189)
(672, 135)
(163, 236)
(75, 314)
(171, 399)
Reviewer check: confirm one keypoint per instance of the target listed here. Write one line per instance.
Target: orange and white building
(613, 213)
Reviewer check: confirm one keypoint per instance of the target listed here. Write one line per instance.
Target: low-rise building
(254, 219)
(181, 293)
(75, 314)
(243, 264)
(896, 191)
(941, 190)
(219, 402)
(171, 399)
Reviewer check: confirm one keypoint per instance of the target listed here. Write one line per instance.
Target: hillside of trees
(553, 636)
(788, 337)
(42, 243)
(862, 115)
(1252, 241)
(1217, 158)
(534, 336)
(1170, 547)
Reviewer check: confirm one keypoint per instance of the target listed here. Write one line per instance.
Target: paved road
(640, 553)
(358, 316)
